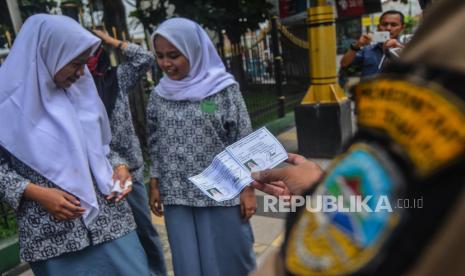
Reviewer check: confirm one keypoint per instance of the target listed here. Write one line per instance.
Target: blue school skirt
(209, 241)
(123, 256)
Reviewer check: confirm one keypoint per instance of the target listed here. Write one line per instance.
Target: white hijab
(62, 135)
(207, 74)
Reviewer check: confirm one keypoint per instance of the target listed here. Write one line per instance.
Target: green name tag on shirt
(208, 107)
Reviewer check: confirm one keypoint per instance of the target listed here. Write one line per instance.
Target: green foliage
(6, 232)
(410, 23)
(9, 227)
(234, 16)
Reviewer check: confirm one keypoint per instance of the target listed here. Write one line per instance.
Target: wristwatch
(354, 47)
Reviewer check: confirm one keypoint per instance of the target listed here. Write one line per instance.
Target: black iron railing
(272, 71)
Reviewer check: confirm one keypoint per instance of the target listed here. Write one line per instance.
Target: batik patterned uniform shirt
(185, 136)
(42, 237)
(125, 142)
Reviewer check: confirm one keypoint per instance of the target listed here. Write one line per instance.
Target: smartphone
(380, 37)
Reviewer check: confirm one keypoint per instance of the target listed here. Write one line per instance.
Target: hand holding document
(230, 170)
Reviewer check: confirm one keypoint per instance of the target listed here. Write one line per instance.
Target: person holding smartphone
(370, 54)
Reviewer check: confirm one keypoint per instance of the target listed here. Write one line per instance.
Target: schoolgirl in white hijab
(193, 113)
(54, 123)
(207, 74)
(63, 135)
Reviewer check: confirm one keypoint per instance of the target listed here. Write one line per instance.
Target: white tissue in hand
(117, 187)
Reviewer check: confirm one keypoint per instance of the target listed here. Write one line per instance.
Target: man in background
(370, 56)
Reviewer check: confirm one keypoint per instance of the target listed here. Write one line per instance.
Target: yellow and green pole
(323, 118)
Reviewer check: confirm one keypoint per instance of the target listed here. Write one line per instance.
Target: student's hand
(290, 180)
(248, 203)
(154, 198)
(60, 204)
(121, 173)
(102, 35)
(107, 39)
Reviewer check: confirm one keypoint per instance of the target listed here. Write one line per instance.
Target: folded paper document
(230, 170)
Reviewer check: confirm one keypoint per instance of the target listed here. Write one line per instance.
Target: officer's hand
(290, 180)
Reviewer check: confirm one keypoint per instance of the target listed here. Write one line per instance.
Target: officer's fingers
(270, 175)
(279, 184)
(275, 190)
(257, 185)
(295, 159)
(272, 188)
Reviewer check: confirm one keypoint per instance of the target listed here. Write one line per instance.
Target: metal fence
(272, 71)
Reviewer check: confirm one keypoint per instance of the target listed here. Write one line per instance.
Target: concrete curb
(19, 270)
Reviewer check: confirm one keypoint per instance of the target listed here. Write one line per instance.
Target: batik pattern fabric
(124, 141)
(42, 237)
(185, 136)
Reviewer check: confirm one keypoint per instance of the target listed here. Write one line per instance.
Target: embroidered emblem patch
(427, 122)
(342, 236)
